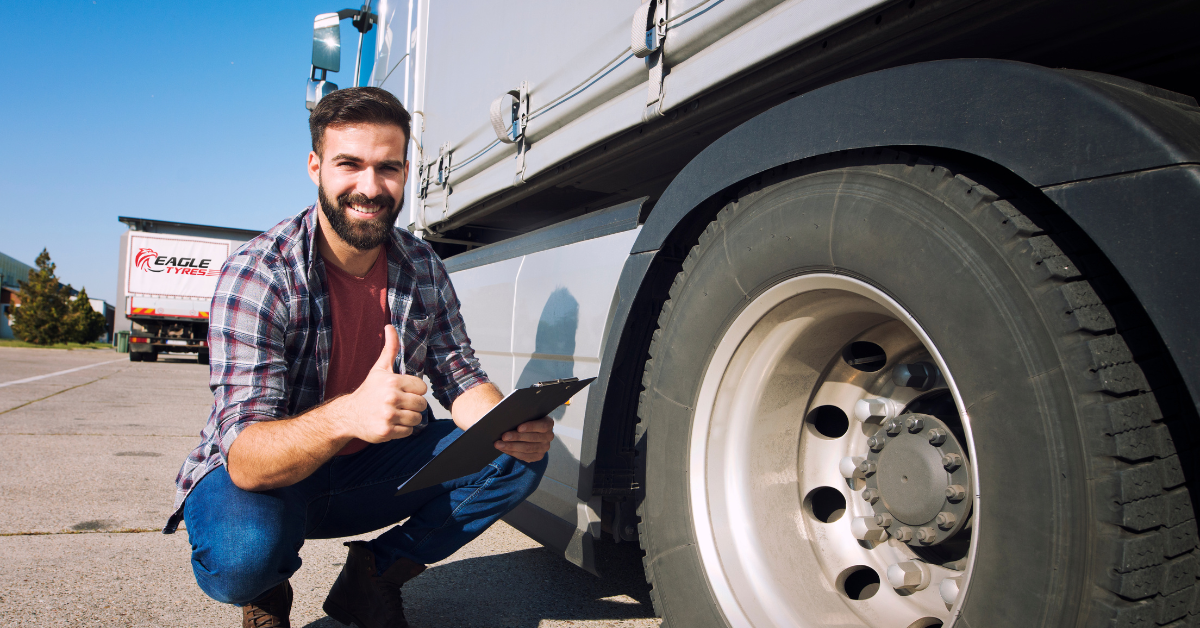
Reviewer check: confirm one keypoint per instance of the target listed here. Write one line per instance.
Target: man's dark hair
(356, 105)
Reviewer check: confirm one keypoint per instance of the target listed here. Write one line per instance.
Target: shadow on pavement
(523, 589)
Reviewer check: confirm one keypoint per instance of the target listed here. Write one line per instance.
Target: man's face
(360, 182)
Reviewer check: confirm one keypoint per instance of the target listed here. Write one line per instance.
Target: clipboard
(473, 450)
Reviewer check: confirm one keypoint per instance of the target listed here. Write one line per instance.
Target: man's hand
(386, 406)
(530, 441)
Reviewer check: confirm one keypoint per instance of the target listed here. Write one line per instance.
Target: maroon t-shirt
(360, 312)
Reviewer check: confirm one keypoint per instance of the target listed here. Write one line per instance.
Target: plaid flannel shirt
(270, 332)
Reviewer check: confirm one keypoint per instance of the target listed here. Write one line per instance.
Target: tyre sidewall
(910, 231)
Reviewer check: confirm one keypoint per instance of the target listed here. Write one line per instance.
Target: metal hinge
(648, 35)
(442, 172)
(510, 118)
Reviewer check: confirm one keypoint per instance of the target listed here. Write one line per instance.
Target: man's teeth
(364, 210)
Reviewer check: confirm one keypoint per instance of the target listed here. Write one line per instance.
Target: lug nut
(865, 529)
(949, 590)
(955, 493)
(867, 467)
(894, 426)
(946, 520)
(937, 436)
(870, 495)
(881, 409)
(909, 575)
(904, 534)
(921, 375)
(849, 467)
(927, 535)
(952, 461)
(914, 424)
(876, 442)
(883, 519)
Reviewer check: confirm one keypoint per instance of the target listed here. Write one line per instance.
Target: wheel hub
(799, 454)
(917, 468)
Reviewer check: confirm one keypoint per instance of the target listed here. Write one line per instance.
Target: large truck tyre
(881, 395)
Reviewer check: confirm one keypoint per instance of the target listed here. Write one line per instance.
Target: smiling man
(320, 332)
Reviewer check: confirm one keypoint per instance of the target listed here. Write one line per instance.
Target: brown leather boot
(271, 610)
(364, 599)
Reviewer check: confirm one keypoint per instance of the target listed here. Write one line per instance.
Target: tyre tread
(1147, 530)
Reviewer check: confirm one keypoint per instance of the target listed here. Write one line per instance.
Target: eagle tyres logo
(150, 261)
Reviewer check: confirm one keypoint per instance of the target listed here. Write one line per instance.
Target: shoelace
(264, 619)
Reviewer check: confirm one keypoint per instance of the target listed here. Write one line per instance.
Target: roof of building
(12, 271)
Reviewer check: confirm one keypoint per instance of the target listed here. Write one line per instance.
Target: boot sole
(341, 615)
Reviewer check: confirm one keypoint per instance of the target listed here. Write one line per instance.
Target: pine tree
(41, 317)
(84, 324)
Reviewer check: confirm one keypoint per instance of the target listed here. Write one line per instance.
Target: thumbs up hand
(386, 406)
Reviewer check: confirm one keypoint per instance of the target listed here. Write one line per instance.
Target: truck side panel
(486, 295)
(585, 85)
(544, 314)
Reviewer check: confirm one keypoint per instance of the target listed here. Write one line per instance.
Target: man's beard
(363, 235)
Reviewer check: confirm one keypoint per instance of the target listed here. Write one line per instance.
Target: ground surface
(86, 481)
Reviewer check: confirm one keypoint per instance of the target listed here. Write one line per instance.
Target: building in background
(110, 314)
(11, 271)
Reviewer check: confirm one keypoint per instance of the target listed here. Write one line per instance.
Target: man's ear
(314, 167)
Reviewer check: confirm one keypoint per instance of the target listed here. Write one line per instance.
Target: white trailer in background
(889, 303)
(166, 278)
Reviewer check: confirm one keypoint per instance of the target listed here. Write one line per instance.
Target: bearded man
(319, 334)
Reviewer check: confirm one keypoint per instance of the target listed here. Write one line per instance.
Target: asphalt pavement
(89, 447)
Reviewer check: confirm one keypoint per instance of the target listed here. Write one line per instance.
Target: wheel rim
(773, 430)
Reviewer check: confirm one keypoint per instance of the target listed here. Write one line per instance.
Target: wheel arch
(1102, 148)
(1090, 143)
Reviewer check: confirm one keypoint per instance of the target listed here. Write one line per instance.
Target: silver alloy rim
(754, 458)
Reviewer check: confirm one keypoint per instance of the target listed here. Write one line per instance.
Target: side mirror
(327, 42)
(318, 88)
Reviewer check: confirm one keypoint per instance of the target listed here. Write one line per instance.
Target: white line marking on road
(34, 379)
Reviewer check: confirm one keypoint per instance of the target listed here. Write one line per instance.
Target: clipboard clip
(552, 382)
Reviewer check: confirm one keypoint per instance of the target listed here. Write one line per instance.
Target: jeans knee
(240, 571)
(521, 478)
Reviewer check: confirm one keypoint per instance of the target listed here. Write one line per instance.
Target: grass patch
(69, 346)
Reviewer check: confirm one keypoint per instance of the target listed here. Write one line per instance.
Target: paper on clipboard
(476, 447)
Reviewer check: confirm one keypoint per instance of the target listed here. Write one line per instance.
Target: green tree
(42, 316)
(83, 323)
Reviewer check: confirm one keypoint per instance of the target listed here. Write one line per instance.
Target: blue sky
(185, 111)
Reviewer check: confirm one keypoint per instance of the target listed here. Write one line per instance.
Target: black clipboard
(476, 447)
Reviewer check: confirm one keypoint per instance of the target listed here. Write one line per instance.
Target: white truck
(166, 278)
(891, 304)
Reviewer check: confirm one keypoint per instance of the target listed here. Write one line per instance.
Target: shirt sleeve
(246, 337)
(450, 362)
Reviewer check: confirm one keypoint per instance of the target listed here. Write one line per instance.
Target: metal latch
(551, 382)
(647, 38)
(510, 117)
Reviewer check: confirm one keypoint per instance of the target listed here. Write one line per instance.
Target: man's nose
(370, 183)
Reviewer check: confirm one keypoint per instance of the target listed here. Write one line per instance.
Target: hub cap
(830, 464)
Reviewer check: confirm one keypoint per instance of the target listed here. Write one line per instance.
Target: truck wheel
(150, 356)
(202, 357)
(882, 396)
(135, 356)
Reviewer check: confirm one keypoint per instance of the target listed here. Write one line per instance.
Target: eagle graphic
(143, 258)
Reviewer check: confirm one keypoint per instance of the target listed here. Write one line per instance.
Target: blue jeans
(244, 543)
